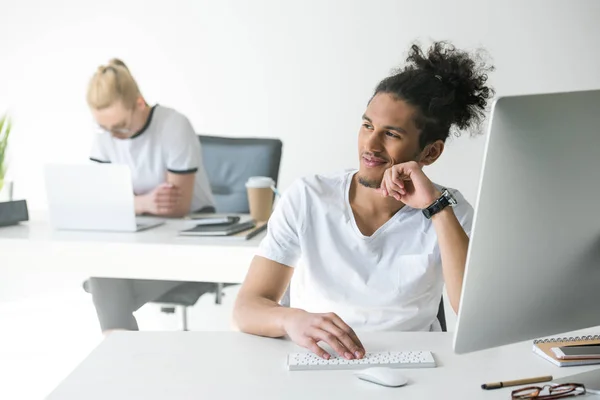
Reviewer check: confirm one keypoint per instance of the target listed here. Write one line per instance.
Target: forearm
(261, 316)
(453, 243)
(174, 208)
(182, 207)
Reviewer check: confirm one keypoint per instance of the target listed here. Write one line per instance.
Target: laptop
(93, 197)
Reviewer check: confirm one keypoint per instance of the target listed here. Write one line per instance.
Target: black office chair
(228, 162)
(441, 315)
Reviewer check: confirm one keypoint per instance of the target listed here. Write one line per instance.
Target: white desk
(230, 365)
(32, 251)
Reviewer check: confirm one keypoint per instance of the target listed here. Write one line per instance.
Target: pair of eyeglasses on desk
(549, 392)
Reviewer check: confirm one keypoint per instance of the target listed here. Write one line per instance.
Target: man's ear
(431, 153)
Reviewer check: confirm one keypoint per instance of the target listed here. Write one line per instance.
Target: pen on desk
(498, 385)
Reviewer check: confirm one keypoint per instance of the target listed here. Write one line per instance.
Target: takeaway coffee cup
(260, 197)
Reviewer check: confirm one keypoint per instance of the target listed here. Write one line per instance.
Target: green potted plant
(5, 127)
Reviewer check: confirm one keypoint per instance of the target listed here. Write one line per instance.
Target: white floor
(43, 338)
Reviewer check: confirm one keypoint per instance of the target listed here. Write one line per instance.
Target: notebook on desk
(543, 348)
(249, 233)
(194, 221)
(220, 229)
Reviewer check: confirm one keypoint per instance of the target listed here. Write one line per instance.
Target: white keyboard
(392, 359)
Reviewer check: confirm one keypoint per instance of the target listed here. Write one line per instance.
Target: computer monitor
(533, 266)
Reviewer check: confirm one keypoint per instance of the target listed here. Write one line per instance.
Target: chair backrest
(441, 315)
(229, 162)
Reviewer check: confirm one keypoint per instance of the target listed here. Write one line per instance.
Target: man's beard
(370, 183)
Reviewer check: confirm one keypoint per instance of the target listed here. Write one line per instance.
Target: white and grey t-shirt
(166, 143)
(391, 280)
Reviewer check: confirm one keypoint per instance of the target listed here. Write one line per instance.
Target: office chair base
(184, 315)
(219, 293)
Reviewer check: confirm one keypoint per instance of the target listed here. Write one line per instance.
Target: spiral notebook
(542, 348)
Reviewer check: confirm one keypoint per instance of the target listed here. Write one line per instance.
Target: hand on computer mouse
(307, 329)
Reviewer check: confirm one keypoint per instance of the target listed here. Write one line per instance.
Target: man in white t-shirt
(163, 153)
(371, 249)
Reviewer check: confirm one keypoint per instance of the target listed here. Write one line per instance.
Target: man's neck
(369, 202)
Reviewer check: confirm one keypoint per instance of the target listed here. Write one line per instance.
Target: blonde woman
(157, 143)
(163, 152)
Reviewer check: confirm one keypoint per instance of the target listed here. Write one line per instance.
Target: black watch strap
(436, 207)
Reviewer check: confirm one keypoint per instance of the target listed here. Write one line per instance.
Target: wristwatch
(445, 200)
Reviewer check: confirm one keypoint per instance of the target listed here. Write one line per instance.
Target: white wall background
(301, 71)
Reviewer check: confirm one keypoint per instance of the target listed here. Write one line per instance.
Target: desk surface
(38, 229)
(231, 365)
(34, 252)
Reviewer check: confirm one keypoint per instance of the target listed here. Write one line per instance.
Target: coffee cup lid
(260, 182)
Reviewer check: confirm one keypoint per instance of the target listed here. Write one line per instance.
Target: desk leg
(184, 317)
(219, 293)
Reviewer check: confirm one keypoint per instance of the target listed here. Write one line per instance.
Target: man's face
(388, 136)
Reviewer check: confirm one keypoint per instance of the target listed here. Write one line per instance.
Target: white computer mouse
(383, 376)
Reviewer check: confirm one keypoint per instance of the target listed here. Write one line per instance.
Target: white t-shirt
(391, 280)
(166, 143)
